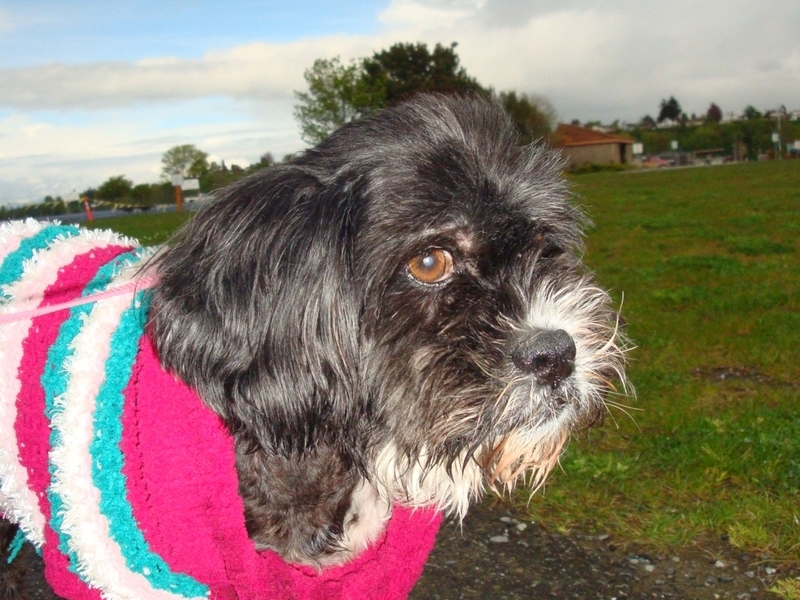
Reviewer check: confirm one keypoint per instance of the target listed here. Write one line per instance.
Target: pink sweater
(116, 469)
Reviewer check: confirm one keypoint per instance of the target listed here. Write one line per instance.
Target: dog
(399, 315)
(393, 321)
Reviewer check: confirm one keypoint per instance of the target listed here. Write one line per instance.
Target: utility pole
(88, 208)
(177, 182)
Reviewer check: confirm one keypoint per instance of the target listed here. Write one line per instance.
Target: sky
(91, 90)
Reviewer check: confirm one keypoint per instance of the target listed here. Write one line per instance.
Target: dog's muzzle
(548, 355)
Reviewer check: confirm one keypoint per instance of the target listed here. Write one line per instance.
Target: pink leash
(145, 282)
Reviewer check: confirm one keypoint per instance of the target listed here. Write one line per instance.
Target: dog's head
(409, 294)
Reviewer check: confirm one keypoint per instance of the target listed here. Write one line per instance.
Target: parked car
(655, 162)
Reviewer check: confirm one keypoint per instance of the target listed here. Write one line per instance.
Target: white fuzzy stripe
(13, 232)
(100, 559)
(17, 501)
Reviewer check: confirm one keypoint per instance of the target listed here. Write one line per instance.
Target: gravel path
(500, 555)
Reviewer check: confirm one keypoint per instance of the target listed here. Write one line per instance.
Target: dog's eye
(432, 266)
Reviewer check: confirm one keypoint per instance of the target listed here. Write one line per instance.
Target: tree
(751, 112)
(115, 188)
(407, 69)
(670, 109)
(647, 122)
(336, 95)
(714, 114)
(143, 194)
(185, 160)
(339, 93)
(533, 116)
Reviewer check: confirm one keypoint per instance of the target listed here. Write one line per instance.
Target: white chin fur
(365, 520)
(420, 484)
(417, 484)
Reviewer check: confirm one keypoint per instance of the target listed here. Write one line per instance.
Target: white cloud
(40, 157)
(253, 71)
(618, 60)
(415, 15)
(77, 124)
(589, 57)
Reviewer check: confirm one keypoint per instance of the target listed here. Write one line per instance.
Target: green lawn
(709, 265)
(149, 228)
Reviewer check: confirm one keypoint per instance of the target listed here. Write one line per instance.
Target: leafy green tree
(669, 109)
(339, 93)
(336, 95)
(751, 112)
(533, 116)
(115, 188)
(709, 135)
(756, 136)
(143, 194)
(647, 122)
(162, 193)
(407, 69)
(186, 160)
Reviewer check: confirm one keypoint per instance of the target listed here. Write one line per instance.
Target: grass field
(709, 265)
(149, 228)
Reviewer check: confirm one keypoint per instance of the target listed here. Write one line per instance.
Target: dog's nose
(548, 355)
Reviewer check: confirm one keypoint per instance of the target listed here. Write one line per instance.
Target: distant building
(710, 156)
(582, 146)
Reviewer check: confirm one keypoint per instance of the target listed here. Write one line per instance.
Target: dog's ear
(256, 308)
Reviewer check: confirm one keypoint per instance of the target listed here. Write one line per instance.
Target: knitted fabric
(115, 469)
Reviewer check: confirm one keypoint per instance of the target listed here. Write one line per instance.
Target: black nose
(548, 355)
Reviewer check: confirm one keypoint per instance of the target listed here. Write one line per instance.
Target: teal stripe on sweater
(108, 460)
(104, 448)
(54, 380)
(13, 265)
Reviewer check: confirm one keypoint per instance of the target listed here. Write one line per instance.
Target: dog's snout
(547, 355)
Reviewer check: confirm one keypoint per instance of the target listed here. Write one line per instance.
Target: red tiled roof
(573, 135)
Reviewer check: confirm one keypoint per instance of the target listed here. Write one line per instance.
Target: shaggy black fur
(288, 304)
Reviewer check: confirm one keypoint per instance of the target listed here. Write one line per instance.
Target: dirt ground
(503, 556)
(500, 555)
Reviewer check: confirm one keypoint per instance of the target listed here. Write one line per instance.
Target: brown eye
(432, 266)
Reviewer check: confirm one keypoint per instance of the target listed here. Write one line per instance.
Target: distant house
(710, 156)
(582, 146)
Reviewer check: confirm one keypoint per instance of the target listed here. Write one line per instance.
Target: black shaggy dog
(399, 315)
